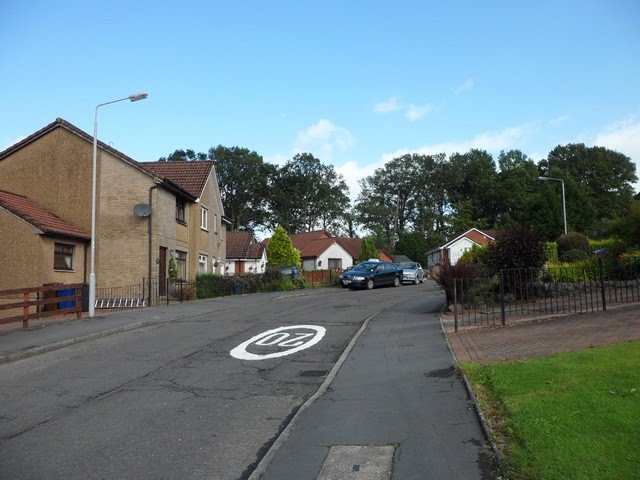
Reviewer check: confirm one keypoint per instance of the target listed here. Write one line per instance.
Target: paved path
(560, 334)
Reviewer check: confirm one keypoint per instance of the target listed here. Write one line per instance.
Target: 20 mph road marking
(294, 338)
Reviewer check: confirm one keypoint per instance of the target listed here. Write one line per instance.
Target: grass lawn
(565, 416)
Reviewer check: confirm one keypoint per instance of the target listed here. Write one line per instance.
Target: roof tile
(190, 176)
(33, 213)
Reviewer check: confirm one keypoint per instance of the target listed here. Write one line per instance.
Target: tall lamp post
(564, 210)
(92, 276)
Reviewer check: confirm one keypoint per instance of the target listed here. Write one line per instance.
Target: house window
(180, 211)
(63, 256)
(181, 264)
(203, 218)
(335, 263)
(215, 222)
(202, 264)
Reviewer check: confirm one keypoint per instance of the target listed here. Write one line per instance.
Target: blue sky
(354, 83)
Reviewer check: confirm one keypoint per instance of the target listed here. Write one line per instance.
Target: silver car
(412, 272)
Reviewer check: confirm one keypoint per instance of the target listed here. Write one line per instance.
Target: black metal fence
(523, 293)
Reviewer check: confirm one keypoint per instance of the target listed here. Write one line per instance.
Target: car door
(386, 275)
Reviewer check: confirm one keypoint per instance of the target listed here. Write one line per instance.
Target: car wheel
(370, 284)
(416, 281)
(396, 282)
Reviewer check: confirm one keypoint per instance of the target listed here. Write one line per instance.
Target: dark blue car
(372, 274)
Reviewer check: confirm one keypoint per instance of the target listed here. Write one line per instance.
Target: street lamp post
(92, 276)
(564, 210)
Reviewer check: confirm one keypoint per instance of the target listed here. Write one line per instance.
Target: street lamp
(92, 276)
(564, 210)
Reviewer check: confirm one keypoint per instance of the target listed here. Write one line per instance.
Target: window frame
(202, 260)
(181, 263)
(181, 211)
(204, 218)
(71, 255)
(334, 260)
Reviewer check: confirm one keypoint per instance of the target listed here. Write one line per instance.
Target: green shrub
(208, 285)
(602, 244)
(478, 255)
(586, 270)
(573, 241)
(552, 251)
(575, 255)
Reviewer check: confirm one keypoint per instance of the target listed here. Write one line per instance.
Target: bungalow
(320, 251)
(244, 254)
(452, 251)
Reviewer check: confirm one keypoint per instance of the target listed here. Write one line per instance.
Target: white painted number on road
(293, 339)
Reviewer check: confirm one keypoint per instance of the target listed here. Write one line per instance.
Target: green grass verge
(565, 416)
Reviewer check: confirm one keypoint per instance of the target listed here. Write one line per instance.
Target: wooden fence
(38, 302)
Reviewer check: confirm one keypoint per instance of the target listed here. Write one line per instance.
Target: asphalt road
(169, 401)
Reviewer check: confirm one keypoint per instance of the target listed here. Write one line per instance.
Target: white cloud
(411, 112)
(390, 105)
(414, 112)
(623, 137)
(559, 119)
(491, 141)
(322, 139)
(465, 87)
(352, 173)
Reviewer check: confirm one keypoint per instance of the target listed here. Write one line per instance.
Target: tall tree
(518, 183)
(472, 188)
(307, 194)
(244, 180)
(184, 156)
(388, 197)
(608, 175)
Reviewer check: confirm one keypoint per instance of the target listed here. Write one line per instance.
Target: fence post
(503, 316)
(25, 311)
(455, 305)
(604, 297)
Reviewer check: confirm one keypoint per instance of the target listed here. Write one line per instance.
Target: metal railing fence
(523, 293)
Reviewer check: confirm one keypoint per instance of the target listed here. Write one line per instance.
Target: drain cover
(358, 462)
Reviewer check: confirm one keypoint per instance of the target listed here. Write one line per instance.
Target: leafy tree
(517, 184)
(413, 245)
(387, 199)
(368, 249)
(473, 187)
(307, 194)
(244, 180)
(184, 156)
(607, 175)
(280, 251)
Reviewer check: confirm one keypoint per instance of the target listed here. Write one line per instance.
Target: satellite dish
(142, 210)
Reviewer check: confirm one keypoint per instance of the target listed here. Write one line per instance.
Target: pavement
(351, 415)
(567, 333)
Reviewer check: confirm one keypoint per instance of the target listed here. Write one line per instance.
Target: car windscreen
(365, 267)
(408, 265)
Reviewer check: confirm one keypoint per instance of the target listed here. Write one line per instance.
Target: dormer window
(180, 210)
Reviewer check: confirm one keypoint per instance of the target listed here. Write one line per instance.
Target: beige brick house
(52, 169)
